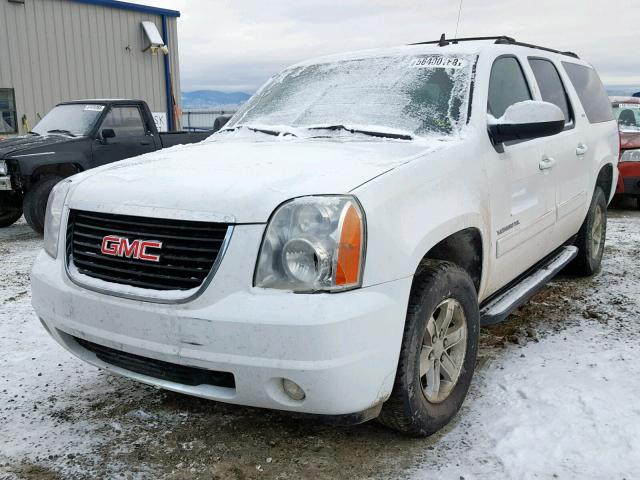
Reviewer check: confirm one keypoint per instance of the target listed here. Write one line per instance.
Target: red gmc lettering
(129, 250)
(143, 255)
(110, 245)
(123, 247)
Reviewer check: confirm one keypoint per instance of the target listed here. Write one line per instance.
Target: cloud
(237, 45)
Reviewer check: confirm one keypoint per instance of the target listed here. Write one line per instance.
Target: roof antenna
(458, 21)
(443, 42)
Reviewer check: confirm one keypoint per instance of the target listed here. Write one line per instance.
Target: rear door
(568, 150)
(596, 124)
(523, 197)
(133, 136)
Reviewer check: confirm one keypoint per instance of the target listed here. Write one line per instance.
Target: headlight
(53, 217)
(630, 156)
(313, 244)
(3, 167)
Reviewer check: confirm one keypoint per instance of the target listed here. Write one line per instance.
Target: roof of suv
(468, 46)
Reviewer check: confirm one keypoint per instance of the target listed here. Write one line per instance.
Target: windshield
(417, 94)
(628, 116)
(75, 119)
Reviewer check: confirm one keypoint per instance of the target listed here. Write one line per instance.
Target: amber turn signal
(349, 248)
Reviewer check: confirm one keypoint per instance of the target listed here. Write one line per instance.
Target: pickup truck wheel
(591, 237)
(35, 202)
(9, 217)
(438, 352)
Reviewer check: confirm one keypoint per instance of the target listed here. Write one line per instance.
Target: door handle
(145, 143)
(546, 163)
(581, 149)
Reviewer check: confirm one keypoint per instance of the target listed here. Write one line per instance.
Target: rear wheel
(35, 202)
(591, 237)
(438, 352)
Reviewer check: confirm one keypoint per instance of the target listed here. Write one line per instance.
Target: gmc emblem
(122, 247)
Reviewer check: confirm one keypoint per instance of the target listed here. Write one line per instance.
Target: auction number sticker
(94, 108)
(629, 105)
(437, 61)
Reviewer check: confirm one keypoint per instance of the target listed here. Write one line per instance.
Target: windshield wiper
(34, 133)
(372, 133)
(60, 130)
(275, 133)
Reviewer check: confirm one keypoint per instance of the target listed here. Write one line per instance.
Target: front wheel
(591, 237)
(438, 352)
(35, 202)
(10, 208)
(9, 217)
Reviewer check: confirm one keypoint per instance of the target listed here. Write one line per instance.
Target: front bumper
(629, 178)
(342, 349)
(631, 186)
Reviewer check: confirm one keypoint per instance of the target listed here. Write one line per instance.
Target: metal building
(57, 50)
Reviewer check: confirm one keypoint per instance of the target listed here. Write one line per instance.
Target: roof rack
(500, 40)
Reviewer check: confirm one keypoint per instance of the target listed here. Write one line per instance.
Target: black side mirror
(107, 133)
(527, 120)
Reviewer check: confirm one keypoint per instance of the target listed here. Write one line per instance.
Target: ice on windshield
(628, 116)
(77, 119)
(418, 94)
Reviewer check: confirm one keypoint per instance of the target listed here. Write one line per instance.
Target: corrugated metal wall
(57, 50)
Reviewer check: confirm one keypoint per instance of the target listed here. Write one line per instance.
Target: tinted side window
(507, 86)
(125, 121)
(551, 87)
(590, 91)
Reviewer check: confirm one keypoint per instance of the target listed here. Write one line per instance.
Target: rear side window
(590, 91)
(550, 84)
(506, 86)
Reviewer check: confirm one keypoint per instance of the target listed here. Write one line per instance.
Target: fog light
(293, 390)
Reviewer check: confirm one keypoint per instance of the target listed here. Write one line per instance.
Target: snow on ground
(556, 395)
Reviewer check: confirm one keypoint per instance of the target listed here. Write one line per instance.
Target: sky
(237, 45)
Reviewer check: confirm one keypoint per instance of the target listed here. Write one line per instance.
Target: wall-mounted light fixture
(155, 41)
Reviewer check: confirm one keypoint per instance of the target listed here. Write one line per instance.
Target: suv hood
(24, 143)
(233, 181)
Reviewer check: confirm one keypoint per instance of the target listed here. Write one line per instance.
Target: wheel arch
(64, 170)
(465, 248)
(606, 179)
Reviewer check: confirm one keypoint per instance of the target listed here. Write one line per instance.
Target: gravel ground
(555, 396)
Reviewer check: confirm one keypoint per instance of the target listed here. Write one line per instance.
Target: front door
(523, 194)
(132, 137)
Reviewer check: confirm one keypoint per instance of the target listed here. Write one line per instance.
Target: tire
(415, 407)
(9, 217)
(591, 237)
(35, 202)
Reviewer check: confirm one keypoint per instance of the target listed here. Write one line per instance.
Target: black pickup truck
(73, 137)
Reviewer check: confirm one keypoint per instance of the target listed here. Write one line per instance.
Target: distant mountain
(622, 90)
(213, 98)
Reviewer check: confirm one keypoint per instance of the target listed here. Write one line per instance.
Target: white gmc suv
(335, 248)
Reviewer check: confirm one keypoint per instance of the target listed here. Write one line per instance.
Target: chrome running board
(497, 308)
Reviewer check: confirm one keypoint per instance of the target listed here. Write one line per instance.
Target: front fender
(412, 208)
(77, 153)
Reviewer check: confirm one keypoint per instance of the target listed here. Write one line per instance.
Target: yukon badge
(123, 247)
